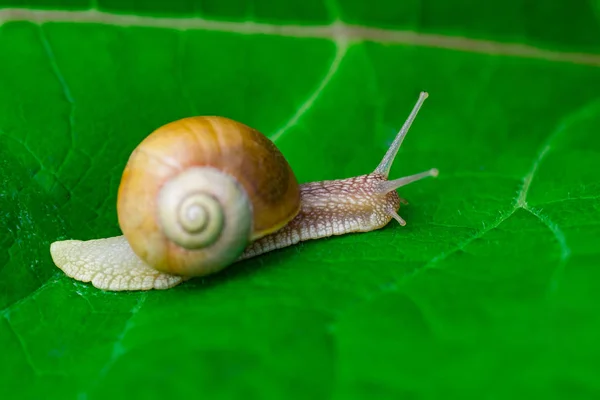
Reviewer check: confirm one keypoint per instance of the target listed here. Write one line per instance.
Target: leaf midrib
(339, 32)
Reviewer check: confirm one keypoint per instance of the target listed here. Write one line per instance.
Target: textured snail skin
(331, 208)
(325, 208)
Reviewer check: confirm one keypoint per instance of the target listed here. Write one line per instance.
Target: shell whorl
(196, 191)
(203, 208)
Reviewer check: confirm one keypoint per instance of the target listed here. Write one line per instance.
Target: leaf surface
(490, 290)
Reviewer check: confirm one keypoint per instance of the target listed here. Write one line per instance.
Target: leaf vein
(356, 33)
(565, 251)
(568, 199)
(6, 310)
(66, 92)
(341, 51)
(23, 347)
(462, 245)
(118, 348)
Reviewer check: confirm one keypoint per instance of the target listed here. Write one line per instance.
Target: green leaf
(491, 290)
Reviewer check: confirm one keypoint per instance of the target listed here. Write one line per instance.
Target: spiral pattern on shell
(203, 207)
(191, 207)
(197, 191)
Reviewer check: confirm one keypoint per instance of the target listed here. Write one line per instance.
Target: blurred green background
(491, 291)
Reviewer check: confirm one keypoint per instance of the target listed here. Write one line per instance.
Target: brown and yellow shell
(260, 184)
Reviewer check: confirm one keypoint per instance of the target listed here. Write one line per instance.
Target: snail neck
(334, 207)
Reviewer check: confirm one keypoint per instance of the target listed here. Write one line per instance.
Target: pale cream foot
(109, 264)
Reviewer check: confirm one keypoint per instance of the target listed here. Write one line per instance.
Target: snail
(201, 193)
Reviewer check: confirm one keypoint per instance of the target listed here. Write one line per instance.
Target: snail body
(201, 193)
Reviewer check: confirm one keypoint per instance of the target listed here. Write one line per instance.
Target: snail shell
(196, 191)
